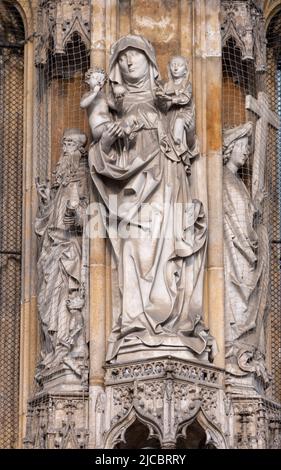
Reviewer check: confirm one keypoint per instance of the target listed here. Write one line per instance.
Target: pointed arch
(206, 434)
(271, 8)
(117, 434)
(77, 28)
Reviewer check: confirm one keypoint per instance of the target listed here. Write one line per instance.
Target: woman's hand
(110, 135)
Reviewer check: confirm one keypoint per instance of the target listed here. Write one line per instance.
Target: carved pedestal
(255, 423)
(161, 399)
(57, 421)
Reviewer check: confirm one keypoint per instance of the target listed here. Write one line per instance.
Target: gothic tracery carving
(244, 22)
(165, 394)
(57, 21)
(57, 422)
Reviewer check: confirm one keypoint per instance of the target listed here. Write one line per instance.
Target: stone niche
(158, 21)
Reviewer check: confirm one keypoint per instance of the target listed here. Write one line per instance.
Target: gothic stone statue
(59, 226)
(176, 97)
(246, 262)
(159, 241)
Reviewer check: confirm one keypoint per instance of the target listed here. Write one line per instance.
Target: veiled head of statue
(237, 143)
(132, 60)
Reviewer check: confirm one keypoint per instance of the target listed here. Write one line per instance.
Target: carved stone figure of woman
(160, 239)
(246, 261)
(59, 226)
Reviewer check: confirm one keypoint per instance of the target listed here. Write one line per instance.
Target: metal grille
(60, 86)
(239, 80)
(274, 152)
(11, 147)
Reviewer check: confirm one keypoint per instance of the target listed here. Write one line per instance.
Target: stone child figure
(178, 92)
(95, 102)
(59, 225)
(100, 109)
(246, 262)
(175, 97)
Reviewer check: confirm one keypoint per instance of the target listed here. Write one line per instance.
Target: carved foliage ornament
(244, 22)
(55, 422)
(257, 424)
(57, 21)
(165, 404)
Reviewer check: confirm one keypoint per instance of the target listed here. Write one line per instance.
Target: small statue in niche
(61, 289)
(246, 262)
(175, 98)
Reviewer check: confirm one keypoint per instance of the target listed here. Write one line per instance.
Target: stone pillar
(207, 69)
(29, 322)
(103, 33)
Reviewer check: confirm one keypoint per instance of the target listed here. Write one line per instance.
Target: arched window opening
(11, 156)
(137, 437)
(195, 437)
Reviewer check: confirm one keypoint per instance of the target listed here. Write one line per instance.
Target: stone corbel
(244, 22)
(58, 20)
(166, 395)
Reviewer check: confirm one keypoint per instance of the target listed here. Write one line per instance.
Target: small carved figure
(246, 261)
(175, 97)
(99, 107)
(96, 102)
(59, 226)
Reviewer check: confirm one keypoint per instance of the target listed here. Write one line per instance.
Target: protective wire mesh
(274, 153)
(239, 80)
(11, 148)
(60, 86)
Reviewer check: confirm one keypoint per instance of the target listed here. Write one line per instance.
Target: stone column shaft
(103, 33)
(208, 88)
(29, 322)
